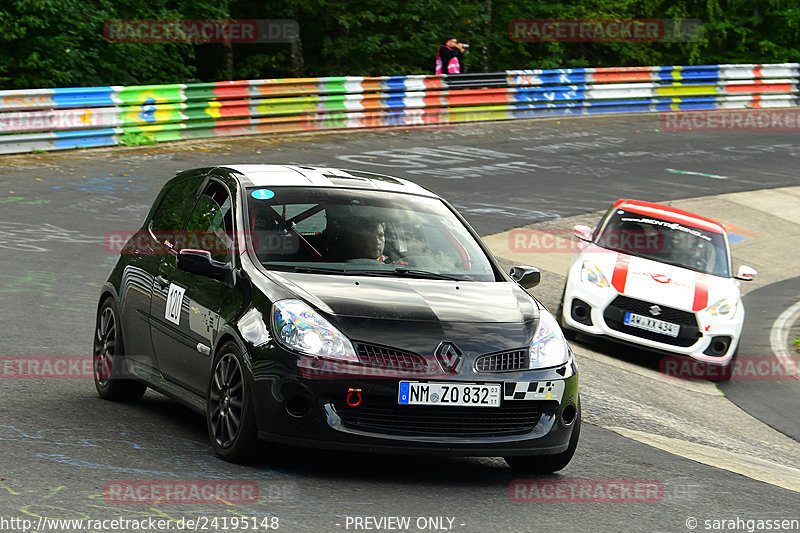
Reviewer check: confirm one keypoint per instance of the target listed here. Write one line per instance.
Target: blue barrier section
(84, 97)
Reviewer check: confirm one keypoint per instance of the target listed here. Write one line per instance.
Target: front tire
(547, 464)
(229, 413)
(110, 378)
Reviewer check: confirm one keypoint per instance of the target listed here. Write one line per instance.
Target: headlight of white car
(590, 273)
(724, 308)
(300, 328)
(549, 348)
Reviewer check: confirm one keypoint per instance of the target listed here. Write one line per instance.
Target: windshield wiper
(405, 272)
(317, 270)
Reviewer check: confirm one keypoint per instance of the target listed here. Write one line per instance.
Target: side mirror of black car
(526, 276)
(200, 262)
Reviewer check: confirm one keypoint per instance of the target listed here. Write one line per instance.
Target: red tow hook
(353, 398)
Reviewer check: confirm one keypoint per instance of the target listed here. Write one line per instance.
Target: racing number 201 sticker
(174, 303)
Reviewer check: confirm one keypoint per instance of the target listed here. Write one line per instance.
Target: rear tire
(230, 419)
(547, 464)
(110, 376)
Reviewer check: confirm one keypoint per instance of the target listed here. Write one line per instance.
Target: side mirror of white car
(745, 273)
(582, 232)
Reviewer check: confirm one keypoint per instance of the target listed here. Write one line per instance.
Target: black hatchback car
(337, 309)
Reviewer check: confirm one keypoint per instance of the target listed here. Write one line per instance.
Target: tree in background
(51, 43)
(60, 43)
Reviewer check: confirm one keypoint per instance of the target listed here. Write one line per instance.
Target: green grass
(137, 139)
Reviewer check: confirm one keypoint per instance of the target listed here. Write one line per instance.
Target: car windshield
(362, 232)
(666, 241)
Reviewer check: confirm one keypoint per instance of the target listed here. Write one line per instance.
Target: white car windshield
(666, 241)
(356, 231)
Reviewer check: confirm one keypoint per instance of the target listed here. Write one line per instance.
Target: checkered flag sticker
(533, 390)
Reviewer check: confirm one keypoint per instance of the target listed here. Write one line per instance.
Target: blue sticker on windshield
(262, 194)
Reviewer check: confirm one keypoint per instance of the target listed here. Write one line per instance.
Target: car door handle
(162, 282)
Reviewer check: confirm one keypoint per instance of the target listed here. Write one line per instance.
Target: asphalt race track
(61, 446)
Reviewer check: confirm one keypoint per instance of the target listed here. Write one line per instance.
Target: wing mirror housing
(526, 276)
(746, 273)
(582, 232)
(201, 263)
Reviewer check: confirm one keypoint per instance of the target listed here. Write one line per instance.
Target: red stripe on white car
(620, 276)
(700, 292)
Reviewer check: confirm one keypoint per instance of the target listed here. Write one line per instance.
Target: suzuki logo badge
(448, 355)
(655, 310)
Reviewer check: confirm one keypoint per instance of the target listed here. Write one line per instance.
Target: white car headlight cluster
(549, 348)
(724, 308)
(300, 328)
(591, 274)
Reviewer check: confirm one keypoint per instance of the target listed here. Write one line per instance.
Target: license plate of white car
(651, 324)
(453, 394)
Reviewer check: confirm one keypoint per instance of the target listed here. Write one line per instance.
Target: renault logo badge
(448, 355)
(655, 310)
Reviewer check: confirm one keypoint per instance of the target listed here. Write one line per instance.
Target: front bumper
(298, 409)
(595, 312)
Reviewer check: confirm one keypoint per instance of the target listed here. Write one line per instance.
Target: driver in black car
(367, 239)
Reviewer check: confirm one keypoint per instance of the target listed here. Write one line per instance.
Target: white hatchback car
(658, 277)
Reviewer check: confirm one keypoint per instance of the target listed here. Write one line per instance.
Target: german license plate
(651, 324)
(454, 394)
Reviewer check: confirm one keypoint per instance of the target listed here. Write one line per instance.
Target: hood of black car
(420, 300)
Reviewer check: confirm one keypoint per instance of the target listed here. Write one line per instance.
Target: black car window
(210, 224)
(169, 218)
(362, 231)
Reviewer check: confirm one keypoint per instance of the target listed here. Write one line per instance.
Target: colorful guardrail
(53, 119)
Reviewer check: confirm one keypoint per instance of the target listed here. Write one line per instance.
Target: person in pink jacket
(449, 57)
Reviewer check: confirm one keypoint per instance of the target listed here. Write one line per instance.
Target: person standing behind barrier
(449, 57)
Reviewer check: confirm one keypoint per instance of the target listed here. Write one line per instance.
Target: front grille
(382, 414)
(391, 358)
(614, 316)
(503, 362)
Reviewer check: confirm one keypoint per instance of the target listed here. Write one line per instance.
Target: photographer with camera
(449, 57)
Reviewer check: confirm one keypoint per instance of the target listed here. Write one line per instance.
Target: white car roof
(288, 175)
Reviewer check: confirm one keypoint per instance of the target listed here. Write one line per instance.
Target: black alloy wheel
(229, 414)
(109, 359)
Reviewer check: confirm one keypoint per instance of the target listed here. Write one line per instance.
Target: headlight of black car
(549, 348)
(300, 328)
